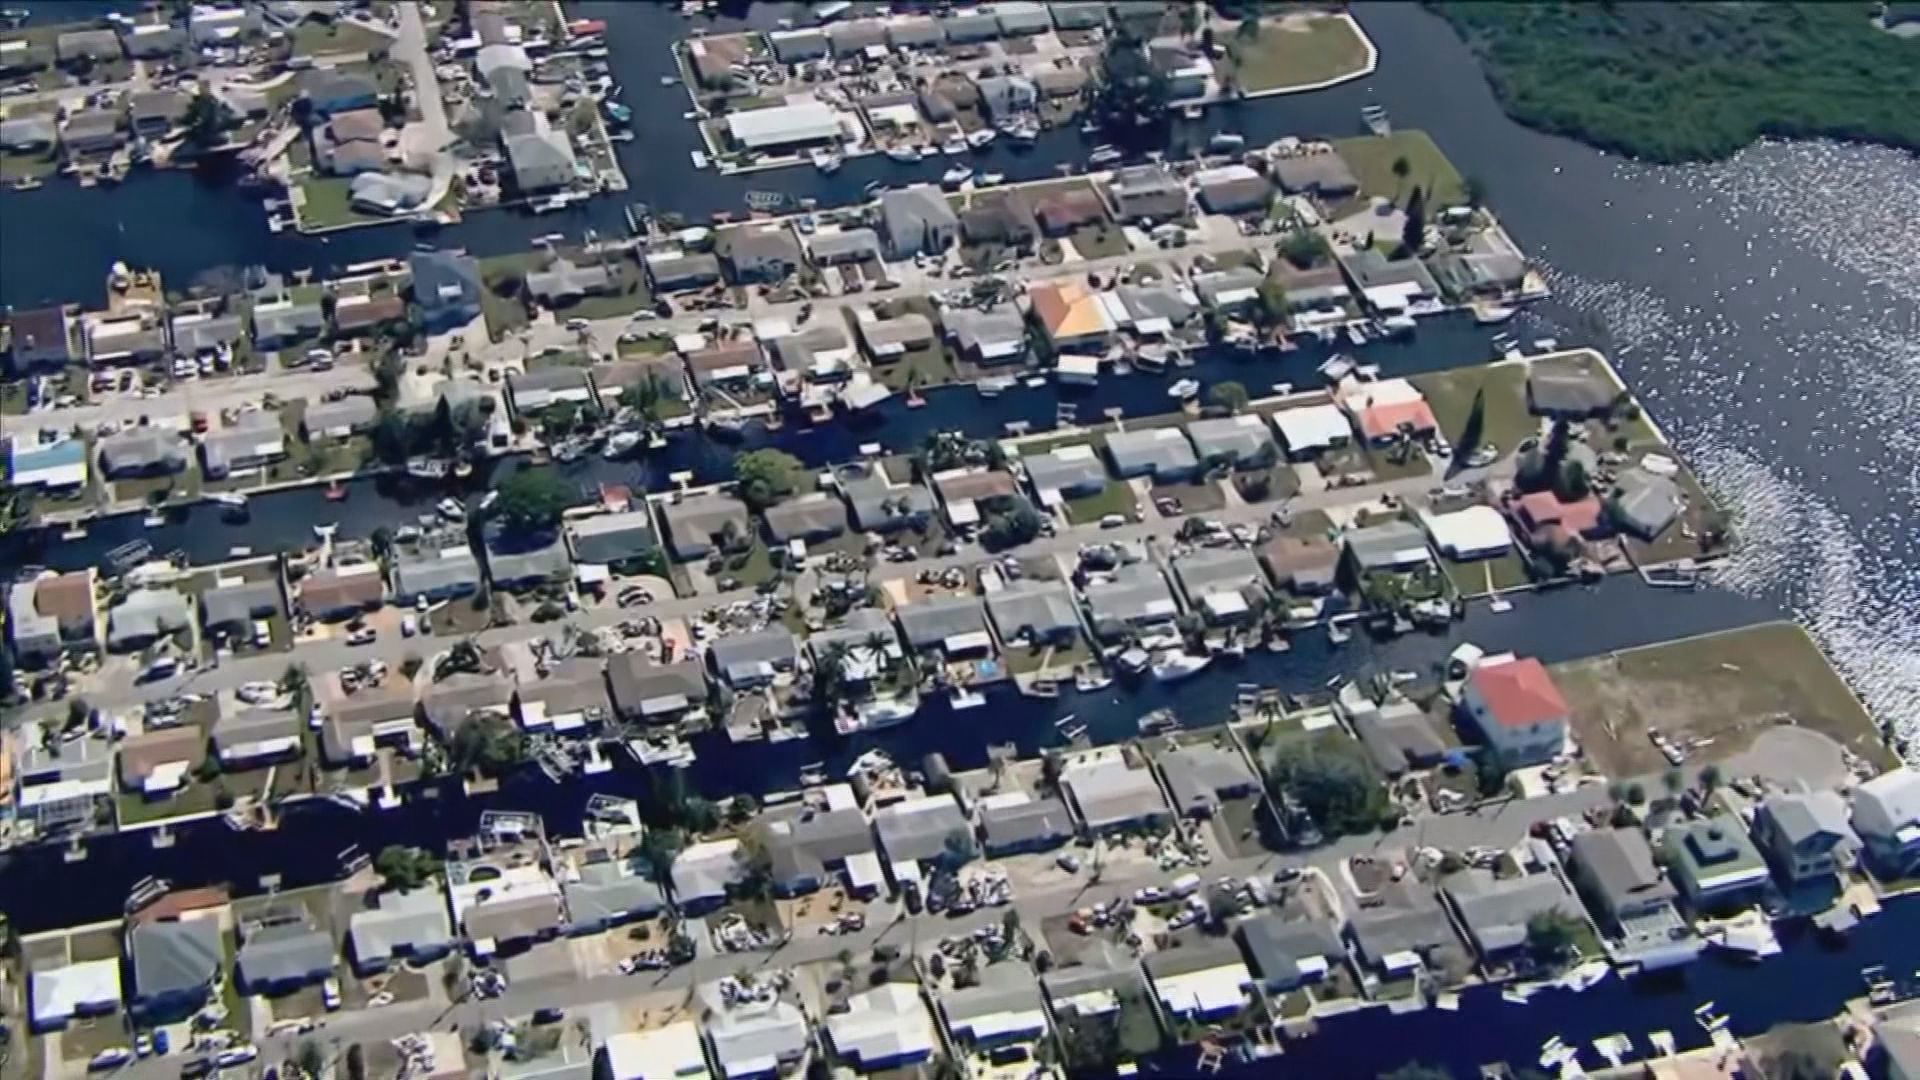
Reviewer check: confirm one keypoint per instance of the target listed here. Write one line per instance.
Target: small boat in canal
(1184, 390)
(1174, 666)
(1088, 678)
(1375, 117)
(956, 176)
(1104, 156)
(336, 492)
(906, 155)
(616, 112)
(1158, 721)
(1493, 314)
(982, 139)
(964, 698)
(826, 161)
(452, 509)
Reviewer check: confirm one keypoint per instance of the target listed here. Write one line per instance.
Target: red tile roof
(1519, 693)
(1383, 421)
(1543, 508)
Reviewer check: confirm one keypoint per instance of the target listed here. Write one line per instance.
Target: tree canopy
(532, 500)
(1687, 81)
(1131, 101)
(405, 868)
(767, 476)
(1334, 785)
(1229, 395)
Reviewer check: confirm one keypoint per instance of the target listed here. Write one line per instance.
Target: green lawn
(646, 346)
(1118, 498)
(327, 203)
(926, 367)
(313, 38)
(1482, 576)
(750, 567)
(1371, 158)
(20, 166)
(1297, 50)
(1504, 422)
(1099, 241)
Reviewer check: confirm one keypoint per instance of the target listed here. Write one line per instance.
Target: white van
(1185, 885)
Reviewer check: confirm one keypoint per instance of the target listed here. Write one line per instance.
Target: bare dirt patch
(1714, 694)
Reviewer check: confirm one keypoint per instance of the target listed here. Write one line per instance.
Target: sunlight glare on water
(1798, 402)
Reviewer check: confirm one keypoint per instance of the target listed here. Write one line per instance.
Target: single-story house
(955, 625)
(282, 957)
(695, 523)
(174, 963)
(753, 659)
(1032, 612)
(342, 419)
(1013, 822)
(1224, 585)
(231, 609)
(401, 926)
(817, 516)
(1162, 453)
(1323, 173)
(1108, 794)
(1136, 596)
(655, 692)
(1241, 441)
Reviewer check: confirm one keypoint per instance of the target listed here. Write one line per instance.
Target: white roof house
(1200, 982)
(1312, 428)
(704, 871)
(1477, 532)
(757, 1039)
(1004, 1005)
(1886, 814)
(804, 121)
(882, 1028)
(665, 1052)
(60, 994)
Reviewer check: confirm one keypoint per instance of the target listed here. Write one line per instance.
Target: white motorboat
(876, 714)
(1493, 314)
(905, 154)
(1185, 389)
(621, 443)
(1227, 143)
(954, 146)
(1135, 660)
(1157, 722)
(956, 176)
(1338, 634)
(1103, 157)
(990, 179)
(1087, 679)
(826, 161)
(1399, 325)
(964, 698)
(982, 139)
(1375, 117)
(993, 387)
(1174, 666)
(452, 509)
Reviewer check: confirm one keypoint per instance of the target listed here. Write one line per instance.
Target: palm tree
(830, 673)
(876, 644)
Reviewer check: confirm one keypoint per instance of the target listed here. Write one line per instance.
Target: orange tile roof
(1383, 421)
(1068, 309)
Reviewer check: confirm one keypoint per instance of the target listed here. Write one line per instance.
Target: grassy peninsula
(1676, 82)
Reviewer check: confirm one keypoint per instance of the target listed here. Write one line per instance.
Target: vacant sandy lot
(1714, 693)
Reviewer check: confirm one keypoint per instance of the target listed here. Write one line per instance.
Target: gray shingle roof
(804, 846)
(1032, 822)
(610, 538)
(1619, 865)
(1800, 817)
(355, 413)
(174, 957)
(540, 564)
(1201, 775)
(1232, 438)
(748, 656)
(142, 448)
(603, 901)
(404, 923)
(1417, 923)
(808, 517)
(1068, 472)
(1275, 945)
(435, 573)
(237, 604)
(1212, 572)
(928, 623)
(1496, 911)
(1039, 609)
(916, 831)
(1160, 452)
(1110, 793)
(643, 688)
(1136, 594)
(917, 218)
(148, 613)
(1387, 545)
(283, 954)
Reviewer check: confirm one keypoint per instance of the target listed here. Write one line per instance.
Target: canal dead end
(1714, 697)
